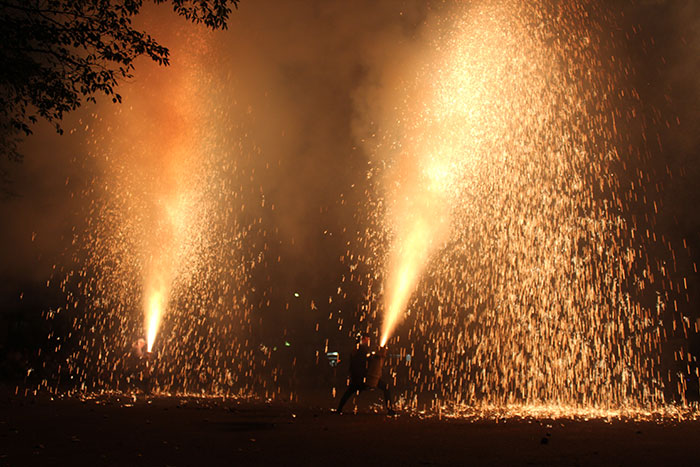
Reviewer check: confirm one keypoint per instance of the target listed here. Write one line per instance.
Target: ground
(117, 430)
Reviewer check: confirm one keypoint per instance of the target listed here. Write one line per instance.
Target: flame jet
(422, 222)
(462, 97)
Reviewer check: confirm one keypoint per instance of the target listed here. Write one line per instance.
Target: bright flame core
(154, 312)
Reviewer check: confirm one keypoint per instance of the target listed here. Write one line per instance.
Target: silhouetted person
(360, 362)
(140, 362)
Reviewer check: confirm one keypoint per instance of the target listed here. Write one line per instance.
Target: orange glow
(157, 184)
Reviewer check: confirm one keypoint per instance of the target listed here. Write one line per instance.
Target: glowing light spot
(154, 314)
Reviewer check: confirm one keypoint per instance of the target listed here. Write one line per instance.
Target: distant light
(296, 294)
(287, 344)
(333, 358)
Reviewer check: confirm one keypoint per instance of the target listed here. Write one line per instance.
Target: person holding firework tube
(365, 373)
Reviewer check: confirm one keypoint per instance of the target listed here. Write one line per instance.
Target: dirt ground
(175, 431)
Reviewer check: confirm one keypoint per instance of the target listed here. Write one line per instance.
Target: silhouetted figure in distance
(359, 366)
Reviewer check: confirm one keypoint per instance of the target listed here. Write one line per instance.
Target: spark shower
(504, 223)
(498, 241)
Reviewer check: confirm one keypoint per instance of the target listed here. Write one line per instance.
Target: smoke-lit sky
(292, 71)
(292, 80)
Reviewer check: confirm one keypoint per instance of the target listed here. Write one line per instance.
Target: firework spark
(499, 177)
(503, 243)
(164, 245)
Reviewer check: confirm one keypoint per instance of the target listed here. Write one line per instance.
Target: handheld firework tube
(375, 367)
